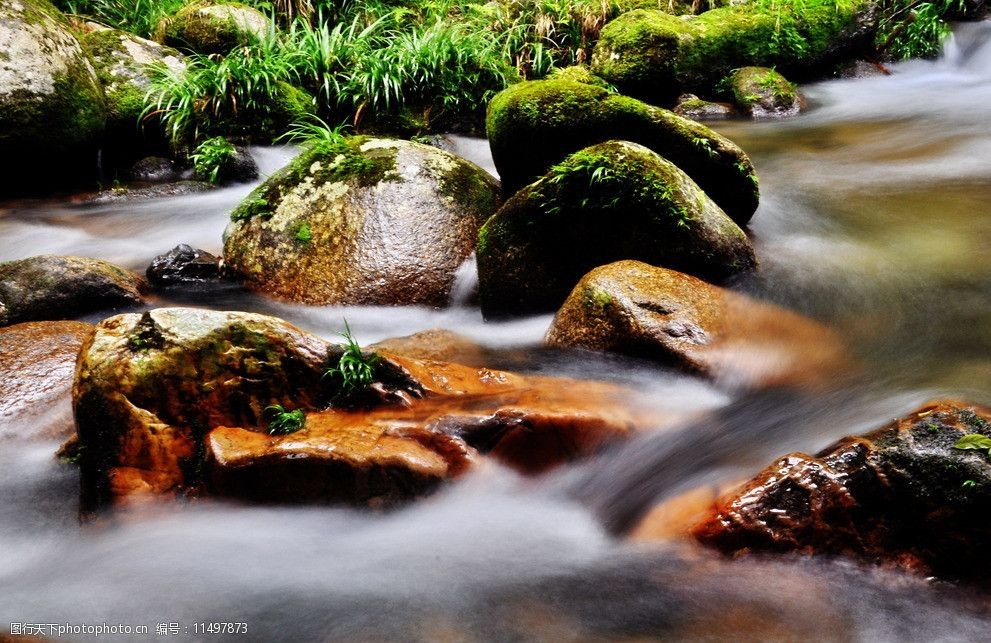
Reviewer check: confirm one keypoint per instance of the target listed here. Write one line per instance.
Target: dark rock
(155, 169)
(183, 265)
(901, 496)
(612, 201)
(180, 188)
(691, 106)
(213, 28)
(51, 287)
(239, 168)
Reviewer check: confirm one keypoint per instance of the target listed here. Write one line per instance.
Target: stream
(874, 219)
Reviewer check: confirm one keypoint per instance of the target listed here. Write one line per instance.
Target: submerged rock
(37, 365)
(764, 93)
(213, 28)
(364, 221)
(173, 402)
(902, 495)
(655, 56)
(55, 287)
(182, 266)
(691, 106)
(52, 112)
(633, 308)
(534, 124)
(121, 61)
(612, 201)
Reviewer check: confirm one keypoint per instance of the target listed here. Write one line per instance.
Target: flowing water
(874, 219)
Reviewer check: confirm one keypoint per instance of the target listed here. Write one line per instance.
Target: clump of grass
(283, 422)
(914, 28)
(139, 17)
(355, 370)
(210, 157)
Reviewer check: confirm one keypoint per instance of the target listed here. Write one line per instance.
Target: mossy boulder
(612, 201)
(655, 56)
(51, 287)
(361, 221)
(763, 93)
(121, 61)
(52, 113)
(213, 28)
(677, 320)
(578, 74)
(535, 124)
(902, 495)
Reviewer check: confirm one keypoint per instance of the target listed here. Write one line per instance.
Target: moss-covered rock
(55, 287)
(903, 495)
(51, 105)
(677, 320)
(764, 93)
(213, 28)
(534, 124)
(361, 221)
(579, 74)
(121, 61)
(616, 200)
(655, 56)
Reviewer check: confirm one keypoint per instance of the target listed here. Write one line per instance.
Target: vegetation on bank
(426, 65)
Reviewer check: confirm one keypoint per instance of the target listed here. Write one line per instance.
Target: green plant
(974, 441)
(314, 130)
(139, 17)
(355, 370)
(303, 233)
(210, 157)
(283, 422)
(914, 28)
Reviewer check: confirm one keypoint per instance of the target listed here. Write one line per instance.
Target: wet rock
(655, 56)
(121, 61)
(862, 69)
(364, 221)
(240, 167)
(612, 201)
(52, 287)
(763, 93)
(691, 106)
(213, 29)
(633, 308)
(155, 169)
(901, 495)
(533, 125)
(182, 266)
(436, 344)
(37, 365)
(173, 402)
(179, 188)
(51, 104)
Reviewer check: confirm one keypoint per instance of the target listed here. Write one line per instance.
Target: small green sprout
(303, 233)
(969, 484)
(355, 369)
(974, 441)
(284, 422)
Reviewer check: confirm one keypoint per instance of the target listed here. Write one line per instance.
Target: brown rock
(37, 364)
(633, 308)
(901, 495)
(172, 402)
(436, 344)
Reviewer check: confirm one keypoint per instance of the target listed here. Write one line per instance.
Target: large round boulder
(361, 221)
(535, 124)
(763, 93)
(612, 201)
(213, 28)
(632, 308)
(655, 56)
(51, 104)
(915, 493)
(56, 287)
(121, 61)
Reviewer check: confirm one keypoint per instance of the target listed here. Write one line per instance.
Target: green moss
(204, 34)
(580, 74)
(340, 161)
(597, 299)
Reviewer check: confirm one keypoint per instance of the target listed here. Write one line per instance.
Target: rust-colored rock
(37, 363)
(436, 344)
(901, 495)
(637, 309)
(172, 403)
